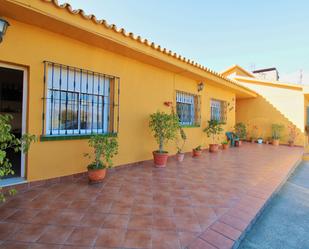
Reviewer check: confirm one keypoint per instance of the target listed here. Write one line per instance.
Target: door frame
(24, 109)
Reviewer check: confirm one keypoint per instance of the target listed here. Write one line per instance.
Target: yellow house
(276, 103)
(70, 75)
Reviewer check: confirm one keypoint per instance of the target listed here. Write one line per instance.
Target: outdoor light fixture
(200, 86)
(3, 27)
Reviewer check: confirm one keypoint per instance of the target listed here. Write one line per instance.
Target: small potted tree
(105, 148)
(164, 127)
(197, 151)
(213, 130)
(240, 132)
(276, 130)
(253, 133)
(9, 141)
(180, 143)
(292, 135)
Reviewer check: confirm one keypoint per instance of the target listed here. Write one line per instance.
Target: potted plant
(260, 140)
(225, 145)
(197, 151)
(276, 130)
(105, 148)
(292, 134)
(9, 141)
(240, 132)
(164, 127)
(253, 133)
(180, 143)
(213, 130)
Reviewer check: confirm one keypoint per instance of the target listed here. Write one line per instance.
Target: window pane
(78, 101)
(217, 110)
(63, 109)
(185, 107)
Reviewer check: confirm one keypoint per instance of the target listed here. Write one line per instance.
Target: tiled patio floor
(201, 203)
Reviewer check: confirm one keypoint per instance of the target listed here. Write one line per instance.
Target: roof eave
(108, 37)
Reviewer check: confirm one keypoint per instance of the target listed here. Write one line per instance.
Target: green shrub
(241, 130)
(276, 131)
(105, 148)
(213, 130)
(164, 127)
(198, 148)
(9, 141)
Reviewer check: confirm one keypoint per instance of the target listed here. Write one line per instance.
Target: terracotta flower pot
(160, 159)
(266, 142)
(291, 143)
(180, 157)
(196, 153)
(275, 142)
(238, 143)
(213, 147)
(96, 175)
(225, 146)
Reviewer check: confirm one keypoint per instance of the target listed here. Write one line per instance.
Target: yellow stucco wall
(144, 88)
(275, 104)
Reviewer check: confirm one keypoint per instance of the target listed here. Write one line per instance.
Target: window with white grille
(80, 101)
(218, 110)
(188, 108)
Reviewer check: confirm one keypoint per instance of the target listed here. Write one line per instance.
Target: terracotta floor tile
(119, 207)
(165, 240)
(44, 246)
(137, 239)
(226, 230)
(29, 233)
(186, 238)
(79, 205)
(201, 244)
(216, 239)
(58, 204)
(100, 206)
(75, 247)
(14, 245)
(45, 217)
(116, 221)
(140, 222)
(68, 218)
(234, 222)
(22, 216)
(184, 212)
(7, 229)
(82, 236)
(6, 212)
(162, 211)
(141, 210)
(110, 238)
(164, 223)
(190, 224)
(56, 234)
(169, 202)
(93, 219)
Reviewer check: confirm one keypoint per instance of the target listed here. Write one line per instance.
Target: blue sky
(218, 34)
